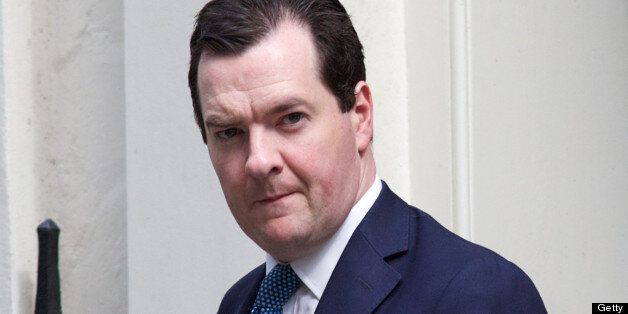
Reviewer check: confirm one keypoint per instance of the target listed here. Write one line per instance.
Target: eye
(292, 118)
(228, 133)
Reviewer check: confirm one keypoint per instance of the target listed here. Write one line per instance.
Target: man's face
(285, 155)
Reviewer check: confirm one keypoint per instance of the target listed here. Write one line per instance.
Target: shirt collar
(315, 269)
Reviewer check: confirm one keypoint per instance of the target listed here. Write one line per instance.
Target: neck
(368, 172)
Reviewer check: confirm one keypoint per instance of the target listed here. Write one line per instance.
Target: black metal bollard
(48, 299)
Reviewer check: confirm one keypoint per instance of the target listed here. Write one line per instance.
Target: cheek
(338, 150)
(225, 162)
(230, 174)
(325, 163)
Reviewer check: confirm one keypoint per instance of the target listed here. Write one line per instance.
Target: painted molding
(460, 108)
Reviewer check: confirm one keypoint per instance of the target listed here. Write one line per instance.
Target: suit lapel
(362, 278)
(249, 294)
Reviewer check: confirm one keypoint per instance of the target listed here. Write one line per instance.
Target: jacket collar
(249, 292)
(362, 278)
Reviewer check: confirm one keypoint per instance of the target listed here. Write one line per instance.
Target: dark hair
(229, 27)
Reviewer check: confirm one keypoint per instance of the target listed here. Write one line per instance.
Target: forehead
(286, 56)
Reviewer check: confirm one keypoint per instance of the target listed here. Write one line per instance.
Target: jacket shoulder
(472, 277)
(490, 284)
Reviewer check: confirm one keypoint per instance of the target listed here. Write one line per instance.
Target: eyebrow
(286, 105)
(217, 120)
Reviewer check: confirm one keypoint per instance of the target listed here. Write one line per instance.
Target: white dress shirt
(315, 269)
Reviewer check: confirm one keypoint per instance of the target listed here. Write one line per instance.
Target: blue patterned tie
(277, 287)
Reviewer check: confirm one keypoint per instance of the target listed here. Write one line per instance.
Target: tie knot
(277, 287)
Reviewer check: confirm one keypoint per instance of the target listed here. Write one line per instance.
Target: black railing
(48, 299)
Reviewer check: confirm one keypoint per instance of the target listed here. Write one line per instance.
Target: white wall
(542, 86)
(64, 145)
(378, 22)
(5, 239)
(549, 132)
(19, 206)
(184, 246)
(541, 89)
(429, 111)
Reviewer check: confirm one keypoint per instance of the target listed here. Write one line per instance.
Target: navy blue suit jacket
(400, 260)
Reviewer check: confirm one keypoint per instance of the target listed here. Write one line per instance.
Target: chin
(280, 238)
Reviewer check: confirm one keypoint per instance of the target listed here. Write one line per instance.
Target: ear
(362, 116)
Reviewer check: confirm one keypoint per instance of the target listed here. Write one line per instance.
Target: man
(279, 93)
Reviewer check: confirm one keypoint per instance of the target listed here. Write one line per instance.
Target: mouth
(273, 198)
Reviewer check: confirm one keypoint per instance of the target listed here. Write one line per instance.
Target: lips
(273, 198)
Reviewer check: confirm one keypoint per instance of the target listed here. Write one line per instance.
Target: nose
(264, 158)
